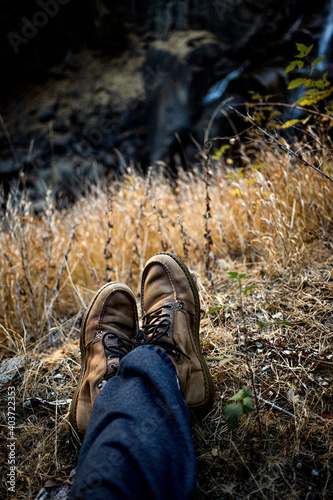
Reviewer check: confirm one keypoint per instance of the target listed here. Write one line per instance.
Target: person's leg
(108, 330)
(138, 443)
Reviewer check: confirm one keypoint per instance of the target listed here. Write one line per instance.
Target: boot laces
(155, 326)
(118, 349)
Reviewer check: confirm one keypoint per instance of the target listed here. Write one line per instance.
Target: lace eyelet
(101, 385)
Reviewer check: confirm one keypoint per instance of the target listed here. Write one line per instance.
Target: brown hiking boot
(107, 332)
(171, 316)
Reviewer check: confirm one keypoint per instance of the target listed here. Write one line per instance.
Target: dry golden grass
(272, 223)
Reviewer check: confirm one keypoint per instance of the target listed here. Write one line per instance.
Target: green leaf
(317, 61)
(303, 50)
(232, 414)
(237, 397)
(299, 81)
(293, 65)
(246, 391)
(241, 276)
(289, 123)
(221, 151)
(262, 324)
(305, 121)
(218, 308)
(214, 309)
(233, 275)
(248, 288)
(321, 95)
(235, 176)
(255, 96)
(322, 83)
(248, 404)
(226, 360)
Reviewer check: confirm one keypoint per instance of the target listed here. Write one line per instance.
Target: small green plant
(218, 153)
(238, 175)
(316, 90)
(314, 96)
(242, 291)
(238, 405)
(233, 275)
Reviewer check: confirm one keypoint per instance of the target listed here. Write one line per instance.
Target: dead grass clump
(272, 222)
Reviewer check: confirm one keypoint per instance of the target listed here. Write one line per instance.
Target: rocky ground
(87, 120)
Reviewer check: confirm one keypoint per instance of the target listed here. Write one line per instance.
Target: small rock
(58, 491)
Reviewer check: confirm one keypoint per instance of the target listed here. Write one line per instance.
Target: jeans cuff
(168, 362)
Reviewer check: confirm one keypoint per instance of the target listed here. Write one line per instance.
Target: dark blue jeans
(138, 444)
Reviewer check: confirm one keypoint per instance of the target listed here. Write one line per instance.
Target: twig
(158, 212)
(211, 121)
(282, 146)
(276, 407)
(92, 271)
(207, 214)
(107, 251)
(224, 239)
(74, 287)
(286, 105)
(137, 229)
(56, 286)
(252, 382)
(25, 269)
(254, 393)
(18, 308)
(184, 238)
(49, 249)
(244, 463)
(287, 352)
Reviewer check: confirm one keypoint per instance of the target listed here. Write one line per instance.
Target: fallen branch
(276, 407)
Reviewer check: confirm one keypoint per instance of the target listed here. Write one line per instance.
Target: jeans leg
(138, 444)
